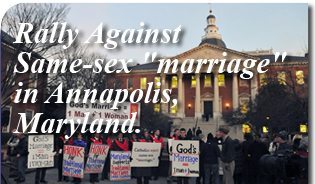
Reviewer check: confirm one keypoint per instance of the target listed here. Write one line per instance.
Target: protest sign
(73, 161)
(40, 148)
(76, 111)
(96, 160)
(145, 154)
(120, 166)
(185, 158)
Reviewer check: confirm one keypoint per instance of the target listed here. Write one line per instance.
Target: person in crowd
(40, 176)
(183, 136)
(273, 146)
(61, 141)
(95, 139)
(255, 151)
(120, 143)
(12, 152)
(200, 138)
(209, 156)
(227, 155)
(157, 138)
(22, 152)
(189, 134)
(238, 178)
(198, 131)
(79, 141)
(281, 140)
(296, 140)
(107, 139)
(143, 174)
(248, 139)
(174, 136)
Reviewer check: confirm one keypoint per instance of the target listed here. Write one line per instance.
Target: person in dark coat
(248, 139)
(22, 152)
(227, 155)
(238, 179)
(61, 141)
(157, 138)
(255, 151)
(143, 174)
(209, 156)
(120, 143)
(79, 141)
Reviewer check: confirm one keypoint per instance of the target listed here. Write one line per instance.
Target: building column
(164, 106)
(235, 91)
(216, 105)
(253, 86)
(180, 100)
(197, 97)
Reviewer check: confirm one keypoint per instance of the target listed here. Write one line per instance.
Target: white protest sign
(120, 165)
(185, 158)
(75, 111)
(145, 154)
(40, 148)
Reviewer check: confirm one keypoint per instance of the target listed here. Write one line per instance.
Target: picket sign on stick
(96, 160)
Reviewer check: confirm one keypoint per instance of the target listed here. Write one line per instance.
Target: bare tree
(41, 16)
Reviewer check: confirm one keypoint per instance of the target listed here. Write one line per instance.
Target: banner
(96, 160)
(98, 110)
(120, 165)
(40, 148)
(73, 161)
(145, 154)
(185, 158)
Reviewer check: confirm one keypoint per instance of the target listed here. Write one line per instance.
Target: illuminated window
(282, 78)
(303, 128)
(174, 109)
(193, 81)
(221, 80)
(207, 81)
(244, 102)
(143, 83)
(299, 77)
(157, 107)
(262, 79)
(174, 81)
(265, 129)
(157, 80)
(246, 128)
(129, 84)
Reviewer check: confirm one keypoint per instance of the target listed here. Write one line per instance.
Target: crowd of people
(222, 159)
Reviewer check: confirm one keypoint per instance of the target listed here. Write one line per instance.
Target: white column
(253, 86)
(216, 105)
(235, 91)
(197, 97)
(181, 102)
(164, 106)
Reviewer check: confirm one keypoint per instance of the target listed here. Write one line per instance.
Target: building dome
(212, 35)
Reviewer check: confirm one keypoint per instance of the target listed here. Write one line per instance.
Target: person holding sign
(22, 152)
(61, 141)
(143, 174)
(79, 141)
(183, 136)
(157, 138)
(120, 144)
(96, 139)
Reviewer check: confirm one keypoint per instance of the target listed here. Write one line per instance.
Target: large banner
(96, 160)
(145, 154)
(98, 110)
(73, 161)
(185, 158)
(40, 148)
(120, 166)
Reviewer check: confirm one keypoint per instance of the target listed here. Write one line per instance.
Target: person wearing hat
(281, 140)
(227, 155)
